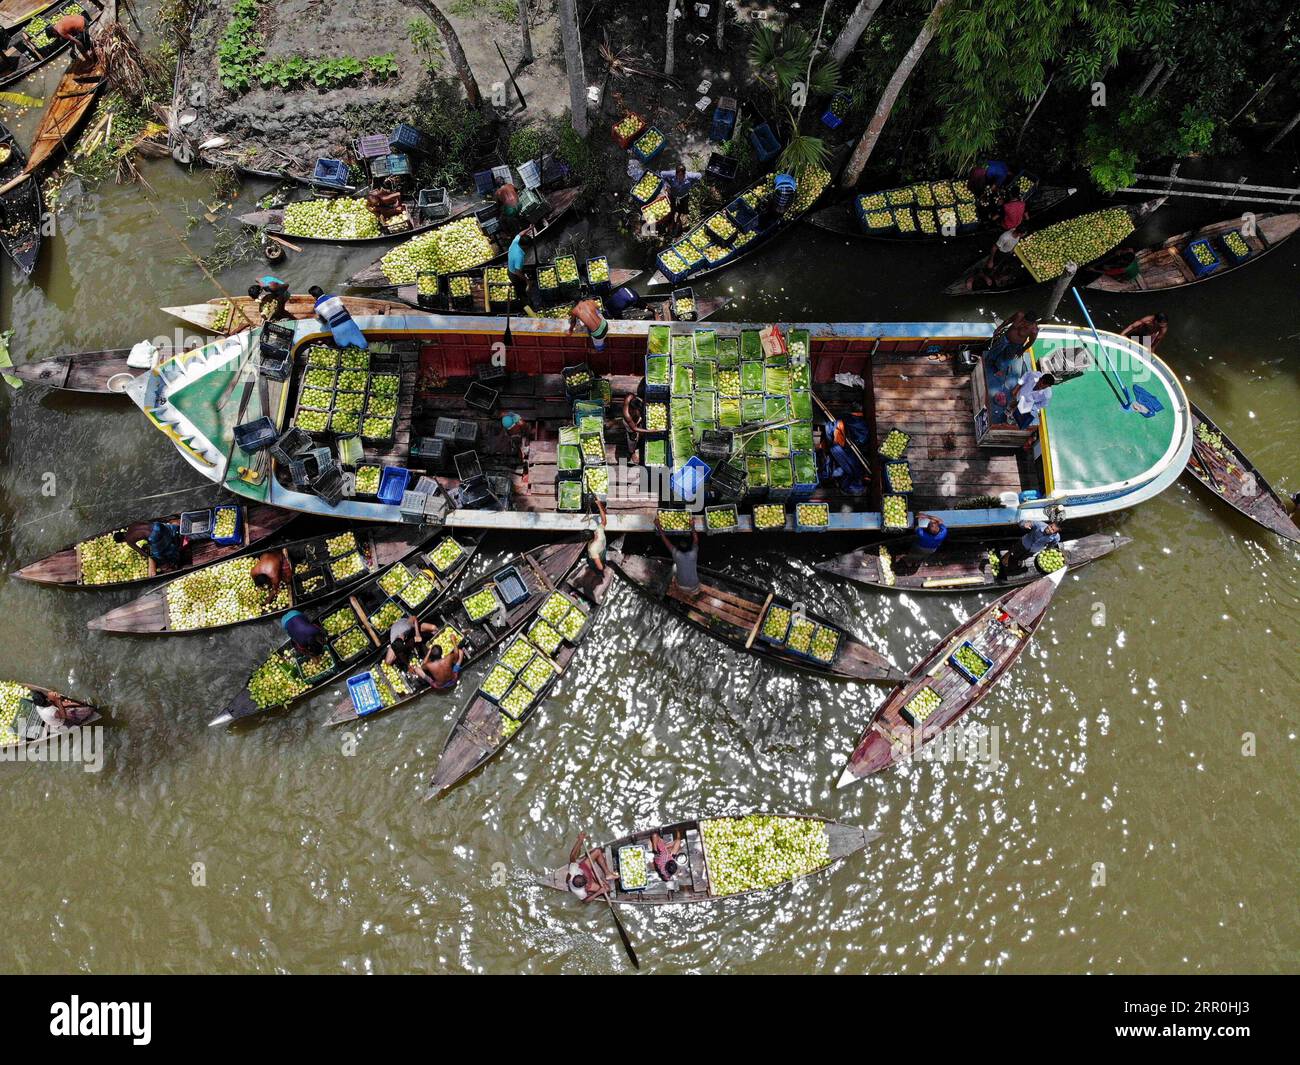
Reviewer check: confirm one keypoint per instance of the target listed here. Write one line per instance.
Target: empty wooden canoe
(100, 372)
(63, 568)
(961, 566)
(539, 569)
(482, 729)
(694, 880)
(1223, 468)
(360, 606)
(999, 632)
(737, 612)
(318, 574)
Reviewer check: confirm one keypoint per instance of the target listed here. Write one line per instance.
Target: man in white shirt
(1032, 393)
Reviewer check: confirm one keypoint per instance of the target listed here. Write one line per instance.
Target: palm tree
(865, 146)
(848, 37)
(525, 31)
(669, 60)
(458, 57)
(571, 36)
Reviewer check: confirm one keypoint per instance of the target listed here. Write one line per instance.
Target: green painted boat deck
(1093, 440)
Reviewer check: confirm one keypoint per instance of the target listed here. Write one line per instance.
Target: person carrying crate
(589, 313)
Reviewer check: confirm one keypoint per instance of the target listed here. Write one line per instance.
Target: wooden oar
(622, 932)
(288, 244)
(759, 621)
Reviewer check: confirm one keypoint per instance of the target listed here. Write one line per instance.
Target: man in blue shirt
(1041, 535)
(516, 258)
(930, 535)
(679, 190)
(331, 310)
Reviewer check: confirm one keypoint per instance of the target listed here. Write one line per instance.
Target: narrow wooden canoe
(100, 372)
(692, 882)
(63, 568)
(30, 730)
(20, 228)
(17, 13)
(732, 610)
(363, 602)
(150, 613)
(225, 317)
(841, 218)
(482, 730)
(1164, 267)
(1223, 468)
(558, 203)
(74, 98)
(1000, 632)
(272, 221)
(540, 569)
(409, 294)
(1013, 275)
(961, 566)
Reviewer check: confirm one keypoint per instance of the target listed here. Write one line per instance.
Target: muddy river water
(1120, 828)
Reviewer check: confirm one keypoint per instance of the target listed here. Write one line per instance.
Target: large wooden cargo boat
(1117, 432)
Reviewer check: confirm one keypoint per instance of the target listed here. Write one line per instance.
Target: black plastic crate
(291, 444)
(480, 397)
(431, 450)
(468, 467)
(727, 484)
(433, 203)
(256, 435)
(490, 373)
(721, 167)
(197, 524)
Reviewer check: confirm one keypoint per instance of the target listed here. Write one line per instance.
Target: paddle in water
(622, 932)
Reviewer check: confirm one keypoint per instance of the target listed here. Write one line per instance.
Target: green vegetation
(240, 61)
(1065, 84)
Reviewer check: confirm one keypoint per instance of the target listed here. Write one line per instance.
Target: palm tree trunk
(525, 31)
(722, 21)
(458, 58)
(853, 29)
(571, 35)
(672, 23)
(1295, 121)
(865, 146)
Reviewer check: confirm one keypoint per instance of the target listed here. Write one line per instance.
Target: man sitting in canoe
(165, 546)
(73, 28)
(404, 636)
(589, 876)
(331, 311)
(1033, 392)
(271, 571)
(308, 637)
(666, 854)
(58, 711)
(1148, 331)
(443, 669)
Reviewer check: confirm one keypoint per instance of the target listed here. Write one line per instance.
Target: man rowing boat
(589, 876)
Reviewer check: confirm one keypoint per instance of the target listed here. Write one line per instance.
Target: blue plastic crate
(237, 535)
(688, 479)
(364, 693)
(952, 660)
(766, 146)
(390, 165)
(408, 139)
(392, 484)
(831, 120)
(724, 121)
(1199, 268)
(330, 172)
